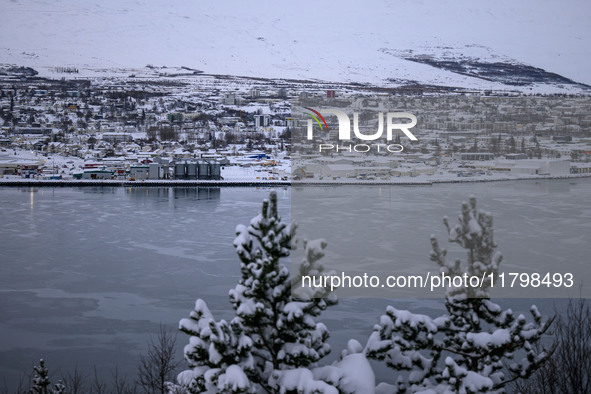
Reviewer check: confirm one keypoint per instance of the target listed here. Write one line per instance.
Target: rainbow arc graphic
(316, 118)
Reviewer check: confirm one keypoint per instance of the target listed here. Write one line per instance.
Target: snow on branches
(471, 348)
(273, 343)
(272, 332)
(474, 233)
(42, 383)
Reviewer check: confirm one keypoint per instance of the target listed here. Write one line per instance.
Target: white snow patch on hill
(333, 41)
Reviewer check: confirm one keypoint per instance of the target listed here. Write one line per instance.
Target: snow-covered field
(331, 41)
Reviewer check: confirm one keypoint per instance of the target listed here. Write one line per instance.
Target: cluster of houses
(142, 128)
(458, 136)
(112, 117)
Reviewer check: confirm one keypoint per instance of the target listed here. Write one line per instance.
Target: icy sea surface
(88, 274)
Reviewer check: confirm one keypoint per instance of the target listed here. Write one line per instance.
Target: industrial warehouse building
(200, 169)
(541, 167)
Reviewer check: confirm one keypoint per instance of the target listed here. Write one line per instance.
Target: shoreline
(259, 183)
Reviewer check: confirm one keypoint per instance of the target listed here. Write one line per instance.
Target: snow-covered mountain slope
(352, 41)
(478, 62)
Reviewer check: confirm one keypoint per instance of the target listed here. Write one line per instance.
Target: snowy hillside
(366, 42)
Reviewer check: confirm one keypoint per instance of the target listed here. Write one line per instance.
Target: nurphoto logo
(395, 121)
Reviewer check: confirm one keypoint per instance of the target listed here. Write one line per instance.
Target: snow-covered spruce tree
(272, 333)
(41, 382)
(472, 348)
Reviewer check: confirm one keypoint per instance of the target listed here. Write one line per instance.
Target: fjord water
(88, 274)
